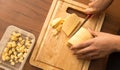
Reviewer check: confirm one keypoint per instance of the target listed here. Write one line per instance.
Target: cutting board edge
(44, 28)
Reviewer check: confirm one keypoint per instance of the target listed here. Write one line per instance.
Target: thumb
(91, 4)
(90, 11)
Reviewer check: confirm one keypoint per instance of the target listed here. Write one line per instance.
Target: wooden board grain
(51, 52)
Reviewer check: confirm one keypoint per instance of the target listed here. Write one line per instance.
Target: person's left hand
(97, 6)
(102, 45)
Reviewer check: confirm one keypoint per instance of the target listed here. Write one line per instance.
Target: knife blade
(81, 24)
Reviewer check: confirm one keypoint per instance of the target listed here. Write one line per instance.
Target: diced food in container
(16, 44)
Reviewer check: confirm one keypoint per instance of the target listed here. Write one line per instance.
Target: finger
(93, 33)
(91, 4)
(88, 56)
(99, 56)
(96, 57)
(90, 10)
(92, 0)
(85, 50)
(82, 45)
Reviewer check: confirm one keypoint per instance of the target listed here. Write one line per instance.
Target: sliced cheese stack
(81, 35)
(70, 23)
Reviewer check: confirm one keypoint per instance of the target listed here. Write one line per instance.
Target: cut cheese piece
(81, 35)
(56, 22)
(59, 28)
(55, 32)
(70, 23)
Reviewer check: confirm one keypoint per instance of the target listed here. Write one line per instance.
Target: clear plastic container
(6, 65)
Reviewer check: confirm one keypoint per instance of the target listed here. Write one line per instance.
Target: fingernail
(87, 11)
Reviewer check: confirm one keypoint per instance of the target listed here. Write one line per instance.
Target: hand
(96, 6)
(102, 45)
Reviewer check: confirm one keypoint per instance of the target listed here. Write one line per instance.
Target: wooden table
(30, 15)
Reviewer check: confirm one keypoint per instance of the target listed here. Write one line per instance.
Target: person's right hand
(96, 6)
(102, 45)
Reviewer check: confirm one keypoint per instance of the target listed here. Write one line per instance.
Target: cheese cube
(12, 63)
(56, 22)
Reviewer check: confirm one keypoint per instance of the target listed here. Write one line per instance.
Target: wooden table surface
(30, 15)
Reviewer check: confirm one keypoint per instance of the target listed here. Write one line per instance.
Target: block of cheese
(70, 23)
(56, 22)
(80, 36)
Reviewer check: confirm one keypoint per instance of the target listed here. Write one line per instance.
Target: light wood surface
(31, 14)
(52, 52)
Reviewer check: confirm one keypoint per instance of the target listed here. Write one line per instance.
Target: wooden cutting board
(51, 52)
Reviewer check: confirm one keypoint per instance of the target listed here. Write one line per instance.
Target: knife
(81, 24)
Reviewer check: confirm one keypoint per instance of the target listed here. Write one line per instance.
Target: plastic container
(6, 65)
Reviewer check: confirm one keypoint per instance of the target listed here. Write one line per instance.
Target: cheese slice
(70, 23)
(81, 35)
